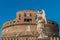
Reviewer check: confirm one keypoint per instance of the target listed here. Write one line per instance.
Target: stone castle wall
(17, 29)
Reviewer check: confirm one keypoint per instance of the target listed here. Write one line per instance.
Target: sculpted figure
(41, 21)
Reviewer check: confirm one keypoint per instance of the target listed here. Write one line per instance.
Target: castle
(30, 25)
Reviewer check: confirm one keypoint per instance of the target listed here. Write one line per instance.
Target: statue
(41, 21)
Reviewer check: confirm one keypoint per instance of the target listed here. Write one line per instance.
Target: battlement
(22, 17)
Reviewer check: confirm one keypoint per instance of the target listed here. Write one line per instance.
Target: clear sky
(8, 9)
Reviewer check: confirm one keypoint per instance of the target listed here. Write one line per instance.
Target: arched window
(18, 21)
(27, 20)
(24, 14)
(30, 14)
(19, 16)
(13, 21)
(35, 17)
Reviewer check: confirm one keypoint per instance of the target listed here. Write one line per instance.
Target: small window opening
(19, 18)
(13, 21)
(24, 20)
(19, 15)
(17, 21)
(30, 14)
(24, 14)
(27, 20)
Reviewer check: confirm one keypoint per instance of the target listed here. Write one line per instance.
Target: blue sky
(8, 9)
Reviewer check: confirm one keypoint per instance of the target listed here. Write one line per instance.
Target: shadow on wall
(59, 31)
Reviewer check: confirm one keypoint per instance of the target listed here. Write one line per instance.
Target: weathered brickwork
(24, 27)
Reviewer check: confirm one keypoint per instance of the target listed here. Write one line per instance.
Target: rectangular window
(27, 20)
(24, 20)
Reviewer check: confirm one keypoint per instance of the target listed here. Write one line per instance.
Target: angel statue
(41, 21)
